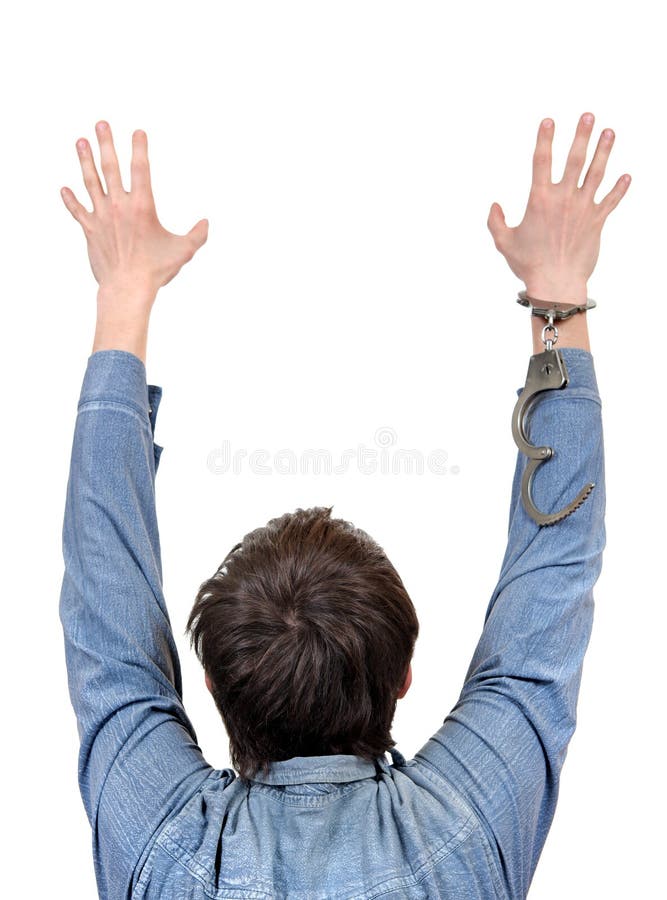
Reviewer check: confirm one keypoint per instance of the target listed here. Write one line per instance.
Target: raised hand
(130, 252)
(126, 242)
(555, 247)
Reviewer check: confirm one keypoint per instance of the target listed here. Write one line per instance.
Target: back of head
(306, 633)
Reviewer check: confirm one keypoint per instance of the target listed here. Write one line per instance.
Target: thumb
(198, 234)
(496, 224)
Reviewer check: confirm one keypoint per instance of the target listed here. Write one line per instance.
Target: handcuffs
(546, 371)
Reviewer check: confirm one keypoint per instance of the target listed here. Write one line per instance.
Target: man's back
(324, 828)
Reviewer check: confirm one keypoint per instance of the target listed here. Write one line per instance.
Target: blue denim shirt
(466, 817)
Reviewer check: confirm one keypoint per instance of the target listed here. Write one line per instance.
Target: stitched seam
(241, 892)
(397, 882)
(313, 800)
(312, 772)
(345, 772)
(137, 412)
(246, 891)
(580, 393)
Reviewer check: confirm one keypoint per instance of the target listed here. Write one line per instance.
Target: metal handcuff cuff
(546, 371)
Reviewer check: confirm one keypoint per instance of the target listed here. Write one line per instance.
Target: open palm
(127, 246)
(555, 247)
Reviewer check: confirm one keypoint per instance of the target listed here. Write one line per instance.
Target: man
(306, 631)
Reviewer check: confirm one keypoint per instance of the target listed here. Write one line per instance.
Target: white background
(346, 155)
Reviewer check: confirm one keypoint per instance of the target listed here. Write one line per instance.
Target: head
(306, 634)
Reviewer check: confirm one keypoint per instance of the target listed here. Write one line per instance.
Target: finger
(140, 174)
(596, 170)
(109, 160)
(577, 155)
(77, 209)
(91, 179)
(496, 225)
(198, 234)
(542, 155)
(614, 196)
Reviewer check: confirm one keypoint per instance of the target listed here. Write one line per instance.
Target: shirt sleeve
(139, 760)
(503, 745)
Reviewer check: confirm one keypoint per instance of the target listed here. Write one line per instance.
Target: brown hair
(306, 633)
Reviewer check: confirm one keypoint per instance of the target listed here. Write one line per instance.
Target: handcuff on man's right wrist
(546, 371)
(551, 310)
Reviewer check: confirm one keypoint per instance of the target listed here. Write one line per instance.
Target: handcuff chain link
(549, 342)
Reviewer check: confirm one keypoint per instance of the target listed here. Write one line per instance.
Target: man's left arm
(139, 760)
(138, 755)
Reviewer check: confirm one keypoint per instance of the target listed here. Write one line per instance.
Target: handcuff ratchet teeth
(546, 371)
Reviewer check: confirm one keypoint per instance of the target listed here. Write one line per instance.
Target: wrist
(122, 320)
(557, 290)
(122, 335)
(134, 297)
(572, 332)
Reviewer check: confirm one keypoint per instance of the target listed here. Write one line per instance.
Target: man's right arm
(503, 745)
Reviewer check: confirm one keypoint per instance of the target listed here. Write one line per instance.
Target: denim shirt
(466, 817)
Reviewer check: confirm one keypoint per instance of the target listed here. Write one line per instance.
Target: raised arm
(138, 754)
(503, 745)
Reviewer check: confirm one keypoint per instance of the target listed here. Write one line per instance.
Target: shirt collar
(339, 767)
